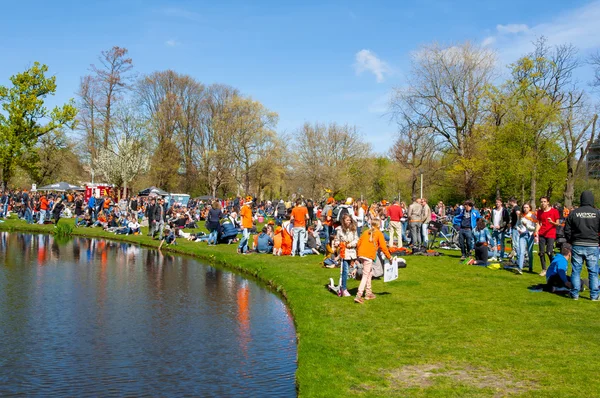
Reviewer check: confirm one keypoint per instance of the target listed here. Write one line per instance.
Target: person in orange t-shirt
(299, 217)
(369, 243)
(247, 224)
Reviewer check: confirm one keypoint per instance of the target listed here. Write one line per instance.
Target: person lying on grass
(370, 241)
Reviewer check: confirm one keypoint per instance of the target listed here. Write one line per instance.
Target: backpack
(339, 212)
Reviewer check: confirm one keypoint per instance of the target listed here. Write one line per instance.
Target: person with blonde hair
(369, 243)
(345, 241)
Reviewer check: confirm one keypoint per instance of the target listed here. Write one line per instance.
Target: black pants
(481, 253)
(546, 247)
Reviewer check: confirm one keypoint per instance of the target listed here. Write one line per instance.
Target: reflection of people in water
(243, 316)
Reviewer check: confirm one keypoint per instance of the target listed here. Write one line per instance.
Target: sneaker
(462, 258)
(371, 296)
(543, 273)
(359, 300)
(493, 260)
(346, 293)
(519, 271)
(575, 298)
(595, 299)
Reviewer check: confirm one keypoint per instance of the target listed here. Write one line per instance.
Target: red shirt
(547, 230)
(394, 212)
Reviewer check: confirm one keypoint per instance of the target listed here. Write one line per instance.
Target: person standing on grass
(57, 210)
(369, 243)
(548, 220)
(415, 218)
(299, 217)
(500, 221)
(43, 209)
(515, 212)
(346, 240)
(467, 221)
(525, 228)
(581, 231)
(426, 221)
(247, 224)
(395, 214)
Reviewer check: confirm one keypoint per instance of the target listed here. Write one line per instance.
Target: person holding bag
(368, 244)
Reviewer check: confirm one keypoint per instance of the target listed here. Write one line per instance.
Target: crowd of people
(349, 234)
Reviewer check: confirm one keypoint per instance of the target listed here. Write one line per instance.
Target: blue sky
(309, 61)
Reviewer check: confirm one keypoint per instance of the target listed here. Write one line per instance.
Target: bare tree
(445, 93)
(112, 77)
(578, 133)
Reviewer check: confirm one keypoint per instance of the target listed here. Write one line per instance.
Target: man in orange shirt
(43, 209)
(247, 224)
(299, 217)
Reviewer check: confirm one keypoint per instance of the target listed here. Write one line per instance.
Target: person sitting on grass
(134, 226)
(277, 241)
(483, 240)
(169, 237)
(369, 243)
(332, 259)
(264, 242)
(311, 242)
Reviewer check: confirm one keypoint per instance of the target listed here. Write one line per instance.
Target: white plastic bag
(390, 272)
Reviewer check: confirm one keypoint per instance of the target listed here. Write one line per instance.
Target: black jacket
(583, 224)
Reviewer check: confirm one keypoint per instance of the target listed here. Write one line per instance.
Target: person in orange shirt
(369, 243)
(43, 209)
(247, 224)
(299, 217)
(286, 238)
(277, 241)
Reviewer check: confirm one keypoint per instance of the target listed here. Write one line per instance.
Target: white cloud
(512, 28)
(488, 41)
(172, 43)
(578, 26)
(367, 61)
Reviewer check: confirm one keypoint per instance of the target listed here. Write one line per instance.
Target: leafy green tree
(25, 118)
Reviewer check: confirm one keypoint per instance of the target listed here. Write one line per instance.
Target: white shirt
(497, 217)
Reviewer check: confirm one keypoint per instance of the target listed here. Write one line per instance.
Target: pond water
(91, 317)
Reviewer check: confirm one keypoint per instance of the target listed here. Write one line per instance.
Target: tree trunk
(124, 190)
(532, 195)
(569, 184)
(413, 193)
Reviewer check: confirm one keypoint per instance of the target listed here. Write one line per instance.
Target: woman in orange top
(368, 244)
(286, 239)
(277, 241)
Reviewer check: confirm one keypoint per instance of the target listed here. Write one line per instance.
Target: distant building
(593, 160)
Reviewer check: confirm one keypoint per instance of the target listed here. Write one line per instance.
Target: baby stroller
(448, 236)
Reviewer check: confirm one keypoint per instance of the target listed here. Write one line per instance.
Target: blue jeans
(425, 233)
(590, 255)
(4, 210)
(243, 246)
(345, 271)
(514, 240)
(28, 216)
(525, 246)
(42, 217)
(212, 237)
(299, 235)
(405, 231)
(498, 239)
(465, 240)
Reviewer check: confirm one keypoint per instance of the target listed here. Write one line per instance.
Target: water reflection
(98, 318)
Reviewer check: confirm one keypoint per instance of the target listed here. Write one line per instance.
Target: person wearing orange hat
(247, 224)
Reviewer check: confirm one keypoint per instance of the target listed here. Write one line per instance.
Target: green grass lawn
(442, 329)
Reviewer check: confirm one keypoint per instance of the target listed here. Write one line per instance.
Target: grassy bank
(442, 329)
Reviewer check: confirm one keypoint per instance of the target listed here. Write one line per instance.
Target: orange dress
(277, 241)
(286, 243)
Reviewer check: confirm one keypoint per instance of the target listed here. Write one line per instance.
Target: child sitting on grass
(332, 258)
